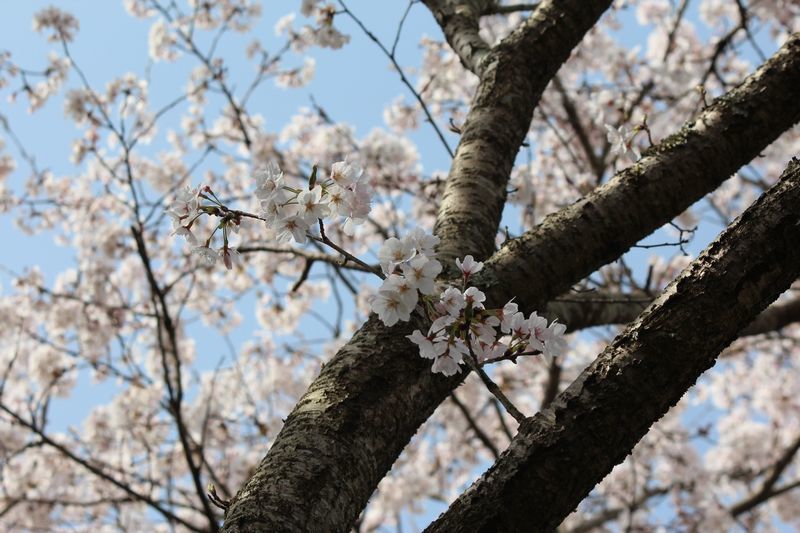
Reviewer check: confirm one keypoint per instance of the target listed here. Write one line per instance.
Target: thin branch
(482, 436)
(492, 386)
(767, 488)
(311, 256)
(97, 471)
(403, 78)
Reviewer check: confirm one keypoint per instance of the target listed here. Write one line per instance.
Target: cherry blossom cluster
(323, 34)
(188, 207)
(461, 324)
(291, 212)
(63, 25)
(288, 211)
(410, 269)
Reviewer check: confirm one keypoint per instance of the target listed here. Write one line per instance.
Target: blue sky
(353, 84)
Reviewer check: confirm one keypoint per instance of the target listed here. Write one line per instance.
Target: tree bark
(513, 76)
(358, 415)
(367, 403)
(565, 450)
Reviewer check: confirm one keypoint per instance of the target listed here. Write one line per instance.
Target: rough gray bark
(513, 76)
(585, 313)
(565, 450)
(367, 403)
(357, 416)
(459, 21)
(669, 178)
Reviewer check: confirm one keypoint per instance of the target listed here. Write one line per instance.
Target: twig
(492, 386)
(403, 77)
(325, 240)
(303, 275)
(475, 427)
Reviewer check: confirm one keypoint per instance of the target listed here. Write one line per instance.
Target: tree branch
(459, 23)
(369, 400)
(479, 433)
(669, 178)
(595, 423)
(767, 489)
(513, 77)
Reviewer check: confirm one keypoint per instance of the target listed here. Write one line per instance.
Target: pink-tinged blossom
(352, 202)
(474, 297)
(452, 301)
(622, 142)
(403, 287)
(345, 173)
(520, 327)
(207, 256)
(312, 206)
(269, 183)
(230, 257)
(483, 331)
(391, 307)
(297, 77)
(393, 252)
(457, 348)
(400, 116)
(424, 242)
(307, 7)
(63, 24)
(555, 343)
(422, 272)
(272, 211)
(291, 227)
(186, 233)
(440, 324)
(350, 225)
(185, 204)
(161, 43)
(506, 315)
(537, 327)
(429, 348)
(445, 364)
(469, 266)
(337, 200)
(359, 199)
(486, 351)
(329, 37)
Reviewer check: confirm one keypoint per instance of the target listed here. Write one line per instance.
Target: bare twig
(391, 56)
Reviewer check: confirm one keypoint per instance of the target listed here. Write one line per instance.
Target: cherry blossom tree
(408, 354)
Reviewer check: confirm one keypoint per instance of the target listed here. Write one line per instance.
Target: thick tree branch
(459, 22)
(358, 398)
(638, 200)
(774, 318)
(498, 9)
(583, 312)
(369, 400)
(565, 450)
(513, 77)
